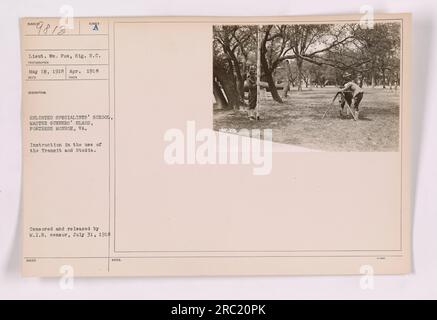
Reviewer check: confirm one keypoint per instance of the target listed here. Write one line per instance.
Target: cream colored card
(196, 146)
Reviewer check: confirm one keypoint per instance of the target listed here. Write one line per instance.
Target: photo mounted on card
(197, 146)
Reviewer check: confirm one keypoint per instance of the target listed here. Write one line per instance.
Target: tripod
(346, 102)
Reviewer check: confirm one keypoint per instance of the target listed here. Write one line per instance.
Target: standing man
(357, 95)
(288, 78)
(251, 85)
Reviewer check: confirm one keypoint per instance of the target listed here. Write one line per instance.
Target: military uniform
(357, 95)
(251, 85)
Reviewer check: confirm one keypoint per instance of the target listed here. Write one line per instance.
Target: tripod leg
(327, 109)
(353, 114)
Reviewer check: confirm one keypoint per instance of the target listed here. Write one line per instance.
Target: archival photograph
(323, 87)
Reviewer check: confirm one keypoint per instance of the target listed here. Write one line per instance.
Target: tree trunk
(299, 62)
(238, 78)
(236, 72)
(231, 94)
(268, 74)
(373, 79)
(228, 83)
(272, 87)
(219, 96)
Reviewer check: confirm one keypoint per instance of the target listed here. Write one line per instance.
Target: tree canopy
(304, 54)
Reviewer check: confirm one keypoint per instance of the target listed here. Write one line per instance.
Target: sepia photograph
(223, 157)
(323, 87)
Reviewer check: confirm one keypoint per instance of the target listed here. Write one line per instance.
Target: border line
(242, 251)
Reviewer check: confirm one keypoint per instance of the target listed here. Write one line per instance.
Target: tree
(304, 53)
(274, 46)
(299, 43)
(380, 46)
(232, 47)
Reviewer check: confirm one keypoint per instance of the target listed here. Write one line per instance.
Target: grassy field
(298, 121)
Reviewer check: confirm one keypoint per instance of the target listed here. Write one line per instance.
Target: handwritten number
(39, 26)
(44, 29)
